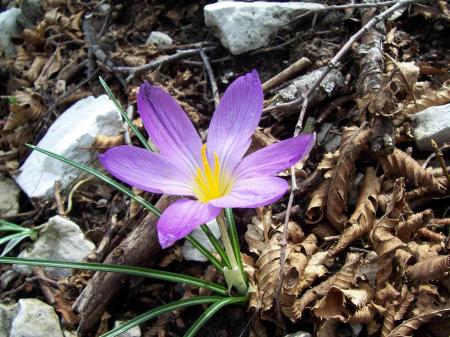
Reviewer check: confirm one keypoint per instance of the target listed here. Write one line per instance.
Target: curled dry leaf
(362, 219)
(255, 236)
(408, 327)
(106, 142)
(400, 164)
(343, 299)
(343, 176)
(35, 69)
(314, 269)
(29, 106)
(311, 295)
(430, 269)
(430, 235)
(427, 97)
(383, 236)
(406, 229)
(317, 205)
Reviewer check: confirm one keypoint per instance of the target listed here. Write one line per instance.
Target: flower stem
(234, 276)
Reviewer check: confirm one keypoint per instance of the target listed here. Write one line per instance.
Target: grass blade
(13, 241)
(6, 226)
(125, 116)
(130, 270)
(161, 310)
(217, 245)
(194, 242)
(101, 176)
(210, 312)
(235, 241)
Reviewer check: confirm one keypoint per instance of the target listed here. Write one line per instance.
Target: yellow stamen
(208, 182)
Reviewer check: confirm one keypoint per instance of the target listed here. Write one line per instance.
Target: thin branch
(286, 74)
(212, 78)
(336, 59)
(181, 54)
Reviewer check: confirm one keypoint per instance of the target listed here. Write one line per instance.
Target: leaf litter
(368, 240)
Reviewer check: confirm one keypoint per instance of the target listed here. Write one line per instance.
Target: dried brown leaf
(29, 106)
(106, 142)
(343, 176)
(314, 269)
(427, 97)
(400, 164)
(362, 219)
(35, 69)
(317, 204)
(408, 327)
(406, 229)
(430, 269)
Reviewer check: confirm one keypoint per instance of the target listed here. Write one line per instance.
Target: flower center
(210, 183)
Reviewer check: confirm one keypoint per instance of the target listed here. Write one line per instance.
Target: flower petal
(169, 127)
(146, 170)
(253, 192)
(235, 120)
(180, 218)
(275, 158)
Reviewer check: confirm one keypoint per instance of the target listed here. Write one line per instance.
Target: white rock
(9, 196)
(432, 123)
(192, 254)
(71, 136)
(244, 26)
(61, 240)
(299, 334)
(133, 332)
(7, 313)
(35, 319)
(160, 39)
(8, 27)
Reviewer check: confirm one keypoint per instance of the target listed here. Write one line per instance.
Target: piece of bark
(135, 250)
(332, 84)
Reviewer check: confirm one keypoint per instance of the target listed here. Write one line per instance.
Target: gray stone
(244, 26)
(431, 123)
(160, 39)
(8, 28)
(9, 196)
(32, 13)
(7, 313)
(35, 319)
(71, 136)
(61, 240)
(133, 332)
(192, 254)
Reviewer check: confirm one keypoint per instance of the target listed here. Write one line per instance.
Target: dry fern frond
(342, 179)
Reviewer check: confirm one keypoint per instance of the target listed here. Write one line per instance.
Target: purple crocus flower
(214, 175)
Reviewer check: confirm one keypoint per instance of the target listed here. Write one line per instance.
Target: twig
(58, 199)
(336, 59)
(212, 79)
(134, 71)
(286, 74)
(44, 287)
(440, 158)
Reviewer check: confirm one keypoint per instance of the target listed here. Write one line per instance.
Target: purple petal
(169, 127)
(253, 192)
(146, 170)
(235, 120)
(275, 158)
(180, 218)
